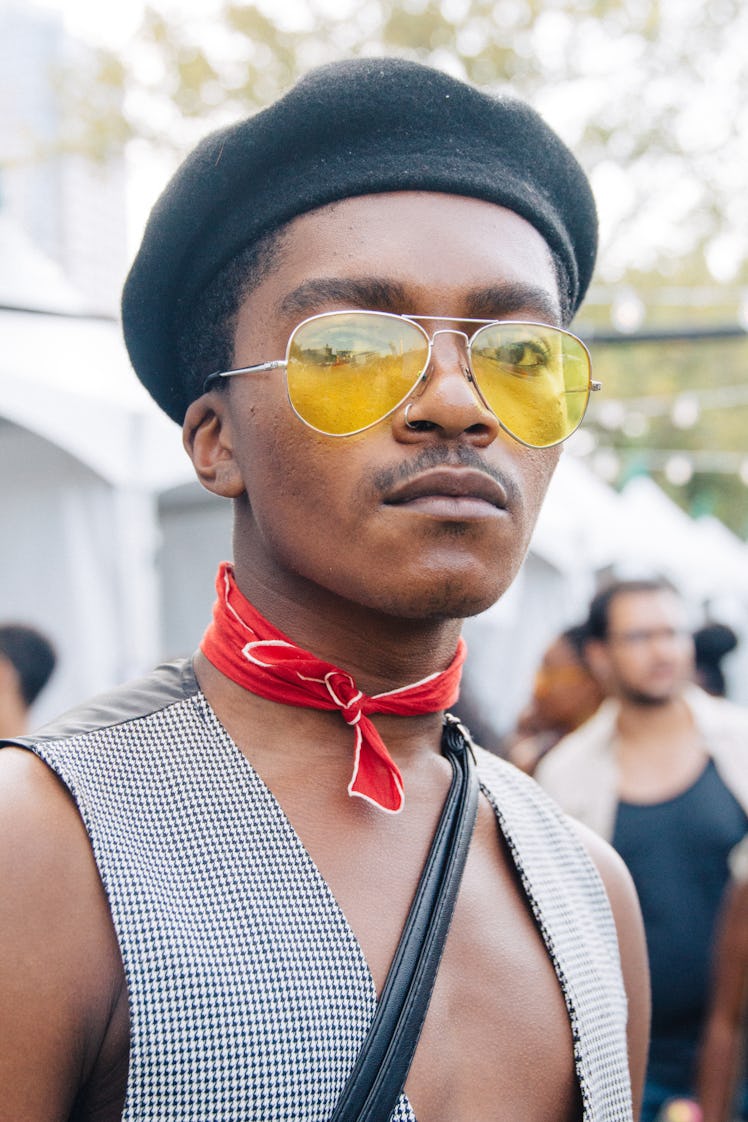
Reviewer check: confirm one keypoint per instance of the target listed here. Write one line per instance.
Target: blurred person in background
(712, 643)
(722, 1059)
(661, 770)
(565, 694)
(27, 660)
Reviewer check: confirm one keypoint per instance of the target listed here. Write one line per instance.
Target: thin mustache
(386, 479)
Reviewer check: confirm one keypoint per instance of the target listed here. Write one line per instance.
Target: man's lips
(664, 670)
(449, 483)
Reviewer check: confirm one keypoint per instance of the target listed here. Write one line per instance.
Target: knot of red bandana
(245, 647)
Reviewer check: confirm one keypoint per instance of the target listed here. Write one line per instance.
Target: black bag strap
(382, 1066)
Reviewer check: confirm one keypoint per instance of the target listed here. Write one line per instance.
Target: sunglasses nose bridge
(463, 350)
(448, 394)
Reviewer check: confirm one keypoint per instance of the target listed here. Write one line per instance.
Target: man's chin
(650, 699)
(452, 597)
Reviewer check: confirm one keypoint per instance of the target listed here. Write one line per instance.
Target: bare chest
(497, 1043)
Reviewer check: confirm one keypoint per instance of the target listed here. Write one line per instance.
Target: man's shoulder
(60, 971)
(556, 856)
(165, 686)
(501, 777)
(580, 773)
(718, 717)
(520, 800)
(724, 728)
(30, 778)
(591, 740)
(40, 826)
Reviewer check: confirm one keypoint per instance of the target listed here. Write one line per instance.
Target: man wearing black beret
(274, 881)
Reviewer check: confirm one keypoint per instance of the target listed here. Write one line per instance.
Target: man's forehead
(647, 602)
(381, 251)
(392, 215)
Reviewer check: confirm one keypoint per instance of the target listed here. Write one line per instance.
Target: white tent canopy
(701, 556)
(69, 381)
(28, 279)
(84, 453)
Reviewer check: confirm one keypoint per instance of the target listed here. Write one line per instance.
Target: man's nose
(447, 399)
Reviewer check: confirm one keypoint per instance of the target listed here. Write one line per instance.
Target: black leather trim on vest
(167, 684)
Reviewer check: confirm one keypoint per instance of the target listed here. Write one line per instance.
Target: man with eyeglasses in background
(355, 304)
(661, 771)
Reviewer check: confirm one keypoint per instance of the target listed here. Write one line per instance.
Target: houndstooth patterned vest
(249, 994)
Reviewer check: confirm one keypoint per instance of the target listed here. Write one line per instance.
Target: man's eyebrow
(496, 301)
(502, 301)
(350, 292)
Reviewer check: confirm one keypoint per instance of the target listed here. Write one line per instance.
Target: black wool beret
(350, 128)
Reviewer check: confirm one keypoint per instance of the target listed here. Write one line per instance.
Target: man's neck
(659, 749)
(641, 723)
(380, 651)
(297, 749)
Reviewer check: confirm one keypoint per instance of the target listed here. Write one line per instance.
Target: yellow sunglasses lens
(535, 379)
(348, 370)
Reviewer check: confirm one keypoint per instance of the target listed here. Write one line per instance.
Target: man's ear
(208, 441)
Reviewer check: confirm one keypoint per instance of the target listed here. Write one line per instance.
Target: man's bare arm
(721, 1051)
(59, 961)
(633, 947)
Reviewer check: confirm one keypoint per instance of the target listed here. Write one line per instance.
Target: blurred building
(70, 207)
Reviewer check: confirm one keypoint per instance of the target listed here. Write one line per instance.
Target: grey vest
(249, 994)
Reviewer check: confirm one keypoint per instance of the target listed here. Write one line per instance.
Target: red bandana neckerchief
(251, 652)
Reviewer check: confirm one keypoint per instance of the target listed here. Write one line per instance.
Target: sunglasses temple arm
(276, 364)
(592, 388)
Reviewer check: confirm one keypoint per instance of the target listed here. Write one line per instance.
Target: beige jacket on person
(581, 772)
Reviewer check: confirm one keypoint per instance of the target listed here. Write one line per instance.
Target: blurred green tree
(652, 94)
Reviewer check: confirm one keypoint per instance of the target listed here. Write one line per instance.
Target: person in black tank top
(677, 852)
(662, 771)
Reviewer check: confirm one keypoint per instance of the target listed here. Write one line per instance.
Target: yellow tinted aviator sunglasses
(346, 371)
